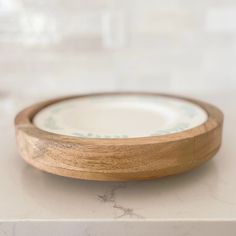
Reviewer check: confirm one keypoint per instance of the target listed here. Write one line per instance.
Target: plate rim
(25, 119)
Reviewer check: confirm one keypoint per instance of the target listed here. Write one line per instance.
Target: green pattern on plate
(91, 135)
(189, 111)
(177, 128)
(50, 123)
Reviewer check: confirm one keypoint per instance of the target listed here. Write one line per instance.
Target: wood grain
(118, 159)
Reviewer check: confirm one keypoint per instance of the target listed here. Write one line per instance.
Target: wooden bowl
(138, 156)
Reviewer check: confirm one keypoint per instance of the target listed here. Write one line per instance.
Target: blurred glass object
(114, 29)
(38, 29)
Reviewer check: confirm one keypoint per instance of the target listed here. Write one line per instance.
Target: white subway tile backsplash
(87, 45)
(174, 21)
(221, 19)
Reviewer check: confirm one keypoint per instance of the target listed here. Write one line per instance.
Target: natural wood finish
(118, 159)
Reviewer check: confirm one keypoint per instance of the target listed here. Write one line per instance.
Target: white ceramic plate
(120, 116)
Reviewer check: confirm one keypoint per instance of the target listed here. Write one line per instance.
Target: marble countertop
(206, 194)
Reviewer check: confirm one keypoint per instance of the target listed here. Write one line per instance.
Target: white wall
(53, 47)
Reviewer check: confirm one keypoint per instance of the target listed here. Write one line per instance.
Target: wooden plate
(118, 136)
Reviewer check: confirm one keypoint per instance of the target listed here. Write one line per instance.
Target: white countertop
(206, 194)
